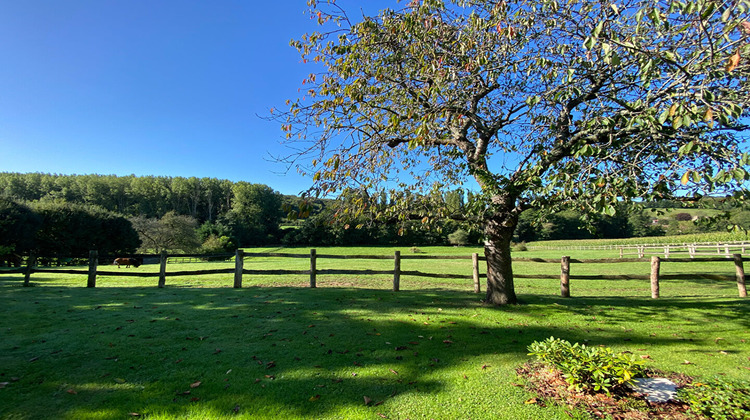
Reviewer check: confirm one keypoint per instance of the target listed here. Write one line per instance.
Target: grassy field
(276, 349)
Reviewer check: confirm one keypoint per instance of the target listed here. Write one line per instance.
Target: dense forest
(59, 214)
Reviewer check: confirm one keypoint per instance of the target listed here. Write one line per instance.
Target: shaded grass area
(274, 349)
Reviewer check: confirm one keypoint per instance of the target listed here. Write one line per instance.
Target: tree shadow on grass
(280, 352)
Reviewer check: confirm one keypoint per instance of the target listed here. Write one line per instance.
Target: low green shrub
(587, 369)
(460, 237)
(718, 399)
(521, 246)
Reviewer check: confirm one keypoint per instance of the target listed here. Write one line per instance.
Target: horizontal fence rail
(727, 249)
(240, 256)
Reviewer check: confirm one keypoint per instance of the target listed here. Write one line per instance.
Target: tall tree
(543, 103)
(18, 227)
(255, 214)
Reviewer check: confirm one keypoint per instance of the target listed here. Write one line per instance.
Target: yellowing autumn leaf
(734, 61)
(672, 110)
(685, 178)
(315, 397)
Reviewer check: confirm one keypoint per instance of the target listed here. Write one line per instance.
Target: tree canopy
(543, 104)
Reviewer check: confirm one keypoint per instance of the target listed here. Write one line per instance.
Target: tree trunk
(500, 287)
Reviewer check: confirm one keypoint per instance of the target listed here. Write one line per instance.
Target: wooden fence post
(162, 269)
(740, 275)
(29, 268)
(475, 271)
(620, 252)
(313, 269)
(239, 262)
(655, 264)
(396, 271)
(565, 277)
(93, 263)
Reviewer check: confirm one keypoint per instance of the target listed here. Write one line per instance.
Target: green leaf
(589, 43)
(597, 29)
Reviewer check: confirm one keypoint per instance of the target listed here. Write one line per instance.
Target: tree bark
(500, 287)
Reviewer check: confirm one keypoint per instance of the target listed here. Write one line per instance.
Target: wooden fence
(727, 249)
(239, 257)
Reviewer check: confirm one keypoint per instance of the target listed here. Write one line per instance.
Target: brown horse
(127, 262)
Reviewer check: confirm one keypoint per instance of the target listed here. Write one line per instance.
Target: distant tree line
(53, 228)
(172, 213)
(59, 214)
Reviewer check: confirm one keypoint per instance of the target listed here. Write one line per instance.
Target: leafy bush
(460, 237)
(683, 217)
(217, 245)
(520, 246)
(588, 368)
(718, 399)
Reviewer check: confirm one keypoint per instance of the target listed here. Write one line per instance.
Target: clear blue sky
(150, 87)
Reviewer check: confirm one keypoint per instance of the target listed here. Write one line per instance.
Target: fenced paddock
(577, 277)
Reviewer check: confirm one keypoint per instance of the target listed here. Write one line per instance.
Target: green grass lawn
(276, 349)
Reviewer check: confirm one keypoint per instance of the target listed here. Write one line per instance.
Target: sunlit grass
(278, 349)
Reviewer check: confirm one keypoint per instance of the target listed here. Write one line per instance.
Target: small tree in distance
(544, 104)
(173, 232)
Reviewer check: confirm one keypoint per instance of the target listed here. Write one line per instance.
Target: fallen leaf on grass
(530, 401)
(687, 362)
(645, 356)
(120, 380)
(134, 414)
(195, 384)
(315, 397)
(71, 391)
(484, 367)
(368, 400)
(383, 415)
